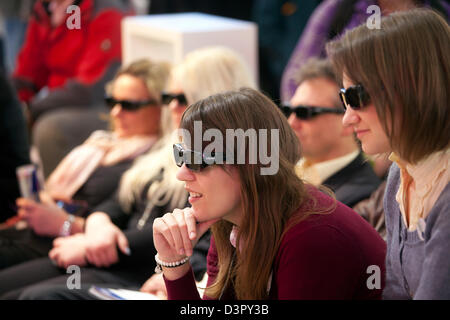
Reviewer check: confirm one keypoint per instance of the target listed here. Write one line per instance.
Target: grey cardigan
(417, 262)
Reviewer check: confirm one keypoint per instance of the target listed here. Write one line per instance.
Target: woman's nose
(350, 117)
(184, 174)
(294, 122)
(116, 110)
(174, 104)
(291, 118)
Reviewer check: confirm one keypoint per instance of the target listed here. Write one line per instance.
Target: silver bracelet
(174, 264)
(67, 226)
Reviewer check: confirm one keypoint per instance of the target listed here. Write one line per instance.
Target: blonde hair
(154, 75)
(203, 72)
(212, 70)
(164, 189)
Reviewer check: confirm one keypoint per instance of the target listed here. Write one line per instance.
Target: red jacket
(52, 56)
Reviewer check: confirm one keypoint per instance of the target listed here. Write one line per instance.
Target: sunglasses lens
(182, 99)
(129, 106)
(195, 167)
(167, 98)
(192, 160)
(355, 97)
(126, 105)
(178, 154)
(286, 110)
(302, 113)
(352, 98)
(110, 102)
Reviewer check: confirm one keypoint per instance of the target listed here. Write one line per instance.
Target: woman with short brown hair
(396, 95)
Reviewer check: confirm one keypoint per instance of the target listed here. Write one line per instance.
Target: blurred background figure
(15, 15)
(280, 24)
(62, 68)
(90, 173)
(116, 248)
(331, 19)
(237, 9)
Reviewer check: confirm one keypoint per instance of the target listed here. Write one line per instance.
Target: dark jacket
(354, 182)
(372, 210)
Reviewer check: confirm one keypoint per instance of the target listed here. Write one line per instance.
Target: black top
(14, 145)
(102, 183)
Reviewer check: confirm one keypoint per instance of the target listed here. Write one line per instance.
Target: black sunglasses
(194, 160)
(355, 97)
(129, 105)
(307, 112)
(167, 98)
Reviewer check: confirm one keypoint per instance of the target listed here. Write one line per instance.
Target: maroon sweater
(323, 257)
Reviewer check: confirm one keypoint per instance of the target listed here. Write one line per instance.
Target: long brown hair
(268, 200)
(405, 68)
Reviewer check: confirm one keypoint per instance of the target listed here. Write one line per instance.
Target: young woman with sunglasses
(90, 173)
(147, 190)
(274, 237)
(396, 94)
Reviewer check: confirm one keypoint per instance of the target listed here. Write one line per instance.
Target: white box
(169, 37)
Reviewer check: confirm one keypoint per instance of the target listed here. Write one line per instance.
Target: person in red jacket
(68, 47)
(72, 48)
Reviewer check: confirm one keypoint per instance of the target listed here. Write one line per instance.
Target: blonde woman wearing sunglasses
(90, 173)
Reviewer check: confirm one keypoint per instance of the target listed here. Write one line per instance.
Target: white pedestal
(169, 37)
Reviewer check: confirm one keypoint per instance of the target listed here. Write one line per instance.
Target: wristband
(67, 226)
(164, 264)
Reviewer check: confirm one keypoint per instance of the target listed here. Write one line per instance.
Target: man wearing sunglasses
(331, 155)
